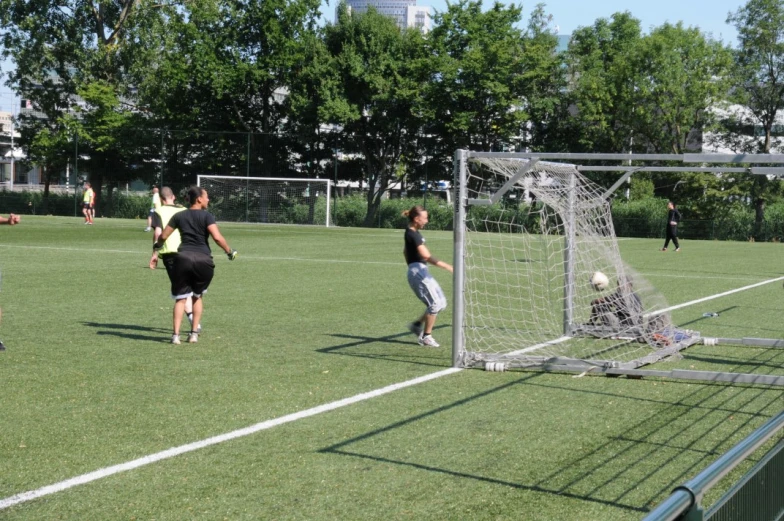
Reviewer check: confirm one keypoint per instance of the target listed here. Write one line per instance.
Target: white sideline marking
(354, 261)
(539, 346)
(190, 447)
(252, 257)
(718, 295)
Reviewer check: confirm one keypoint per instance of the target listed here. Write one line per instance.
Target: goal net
(529, 237)
(269, 200)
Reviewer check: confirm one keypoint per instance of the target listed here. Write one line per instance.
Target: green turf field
(308, 316)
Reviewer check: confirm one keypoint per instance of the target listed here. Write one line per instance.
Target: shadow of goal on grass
(632, 467)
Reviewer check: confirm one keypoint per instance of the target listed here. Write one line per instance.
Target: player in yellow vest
(88, 202)
(156, 203)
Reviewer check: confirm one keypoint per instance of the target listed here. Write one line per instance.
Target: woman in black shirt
(673, 218)
(425, 287)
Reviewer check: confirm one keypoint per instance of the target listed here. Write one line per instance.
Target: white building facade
(405, 12)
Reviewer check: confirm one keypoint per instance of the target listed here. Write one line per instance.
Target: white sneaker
(428, 341)
(193, 338)
(176, 340)
(146, 229)
(416, 329)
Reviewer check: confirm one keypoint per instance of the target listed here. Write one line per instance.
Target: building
(7, 135)
(405, 12)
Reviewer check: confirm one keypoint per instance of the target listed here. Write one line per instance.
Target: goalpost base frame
(632, 369)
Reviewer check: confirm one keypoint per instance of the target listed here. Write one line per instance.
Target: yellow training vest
(166, 212)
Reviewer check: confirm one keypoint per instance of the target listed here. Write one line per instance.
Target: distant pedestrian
(156, 203)
(88, 201)
(671, 233)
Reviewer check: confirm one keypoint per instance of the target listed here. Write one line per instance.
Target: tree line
(133, 88)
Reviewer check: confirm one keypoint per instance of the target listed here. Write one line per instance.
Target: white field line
(354, 261)
(558, 340)
(717, 295)
(24, 497)
(190, 447)
(251, 257)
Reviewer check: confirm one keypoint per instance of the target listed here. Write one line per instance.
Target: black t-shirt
(156, 221)
(193, 229)
(413, 239)
(673, 216)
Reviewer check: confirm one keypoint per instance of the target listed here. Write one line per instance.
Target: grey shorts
(426, 288)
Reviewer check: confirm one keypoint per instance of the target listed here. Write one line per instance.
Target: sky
(568, 15)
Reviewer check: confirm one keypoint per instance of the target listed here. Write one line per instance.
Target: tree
(678, 74)
(601, 94)
(61, 47)
(758, 72)
(314, 84)
(544, 83)
(378, 104)
(757, 96)
(478, 85)
(215, 80)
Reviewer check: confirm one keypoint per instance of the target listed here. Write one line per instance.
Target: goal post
(269, 199)
(529, 234)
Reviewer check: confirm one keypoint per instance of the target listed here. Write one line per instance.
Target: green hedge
(123, 206)
(641, 218)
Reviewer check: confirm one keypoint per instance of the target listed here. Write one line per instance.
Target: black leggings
(672, 234)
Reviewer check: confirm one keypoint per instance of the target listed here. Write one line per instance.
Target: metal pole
(11, 182)
(76, 173)
(424, 194)
(336, 175)
(690, 494)
(458, 277)
(247, 183)
(568, 311)
(163, 154)
(329, 195)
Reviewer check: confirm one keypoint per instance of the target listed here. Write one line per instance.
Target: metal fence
(758, 496)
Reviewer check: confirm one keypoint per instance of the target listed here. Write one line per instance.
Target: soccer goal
(530, 234)
(269, 200)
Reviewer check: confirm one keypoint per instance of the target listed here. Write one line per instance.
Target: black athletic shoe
(2, 346)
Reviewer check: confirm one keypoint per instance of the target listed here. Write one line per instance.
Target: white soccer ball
(599, 281)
